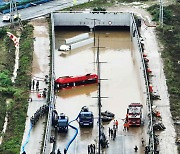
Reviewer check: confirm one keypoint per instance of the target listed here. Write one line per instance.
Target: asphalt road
(43, 9)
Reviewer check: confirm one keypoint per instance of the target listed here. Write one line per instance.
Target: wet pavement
(39, 70)
(168, 136)
(121, 87)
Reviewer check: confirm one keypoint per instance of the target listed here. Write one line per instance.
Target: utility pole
(161, 13)
(94, 24)
(14, 12)
(100, 131)
(99, 99)
(99, 96)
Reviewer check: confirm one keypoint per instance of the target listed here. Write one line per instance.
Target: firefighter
(127, 125)
(116, 123)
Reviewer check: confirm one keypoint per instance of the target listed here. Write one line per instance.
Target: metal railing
(52, 96)
(150, 126)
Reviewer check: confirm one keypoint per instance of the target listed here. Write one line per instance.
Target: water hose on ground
(27, 139)
(67, 146)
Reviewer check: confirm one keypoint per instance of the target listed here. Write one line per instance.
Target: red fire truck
(134, 114)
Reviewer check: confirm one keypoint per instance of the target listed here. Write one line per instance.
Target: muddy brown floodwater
(121, 87)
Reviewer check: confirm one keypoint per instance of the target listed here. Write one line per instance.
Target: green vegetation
(19, 94)
(102, 4)
(6, 69)
(169, 36)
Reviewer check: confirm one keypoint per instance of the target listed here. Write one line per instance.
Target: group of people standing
(35, 85)
(91, 149)
(113, 131)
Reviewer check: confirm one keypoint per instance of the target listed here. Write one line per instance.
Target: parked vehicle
(106, 118)
(70, 81)
(86, 117)
(108, 114)
(134, 114)
(62, 124)
(7, 17)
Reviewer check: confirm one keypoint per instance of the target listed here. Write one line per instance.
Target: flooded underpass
(121, 88)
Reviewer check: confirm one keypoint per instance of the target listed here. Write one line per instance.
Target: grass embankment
(19, 94)
(169, 36)
(6, 68)
(99, 4)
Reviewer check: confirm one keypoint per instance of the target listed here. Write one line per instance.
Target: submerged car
(64, 48)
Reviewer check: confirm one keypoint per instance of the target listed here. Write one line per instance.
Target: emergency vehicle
(134, 114)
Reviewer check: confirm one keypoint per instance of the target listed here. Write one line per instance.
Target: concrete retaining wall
(90, 19)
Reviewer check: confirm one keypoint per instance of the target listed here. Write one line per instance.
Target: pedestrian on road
(65, 151)
(37, 85)
(114, 134)
(142, 141)
(135, 148)
(33, 84)
(58, 151)
(125, 126)
(109, 131)
(116, 124)
(89, 149)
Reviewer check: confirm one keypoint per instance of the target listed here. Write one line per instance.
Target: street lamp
(94, 26)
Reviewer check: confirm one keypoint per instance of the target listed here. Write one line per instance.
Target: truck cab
(86, 117)
(134, 113)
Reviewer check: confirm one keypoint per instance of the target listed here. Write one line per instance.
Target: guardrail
(135, 33)
(52, 97)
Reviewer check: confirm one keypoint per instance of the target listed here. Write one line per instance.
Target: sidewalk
(40, 69)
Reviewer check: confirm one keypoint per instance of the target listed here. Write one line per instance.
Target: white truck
(7, 17)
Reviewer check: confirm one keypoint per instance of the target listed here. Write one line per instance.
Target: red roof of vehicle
(69, 79)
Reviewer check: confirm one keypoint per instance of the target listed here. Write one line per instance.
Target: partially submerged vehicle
(64, 48)
(86, 117)
(107, 113)
(106, 119)
(107, 116)
(73, 81)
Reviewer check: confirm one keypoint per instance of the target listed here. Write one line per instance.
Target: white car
(64, 48)
(6, 17)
